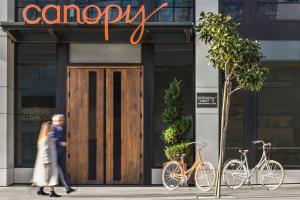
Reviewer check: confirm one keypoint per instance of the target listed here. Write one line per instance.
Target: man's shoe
(41, 192)
(53, 194)
(70, 190)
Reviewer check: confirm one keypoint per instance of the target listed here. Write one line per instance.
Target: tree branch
(227, 74)
(233, 77)
(235, 90)
(233, 68)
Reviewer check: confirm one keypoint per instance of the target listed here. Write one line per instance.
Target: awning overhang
(155, 32)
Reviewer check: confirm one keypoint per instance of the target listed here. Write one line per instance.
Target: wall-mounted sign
(207, 100)
(83, 18)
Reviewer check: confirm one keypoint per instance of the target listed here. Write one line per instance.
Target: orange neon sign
(82, 17)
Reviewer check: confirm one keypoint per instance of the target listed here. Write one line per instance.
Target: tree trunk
(224, 123)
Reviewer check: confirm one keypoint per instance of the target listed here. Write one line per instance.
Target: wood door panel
(77, 107)
(109, 127)
(82, 126)
(131, 125)
(71, 125)
(100, 128)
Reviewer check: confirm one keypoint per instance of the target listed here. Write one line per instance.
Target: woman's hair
(45, 129)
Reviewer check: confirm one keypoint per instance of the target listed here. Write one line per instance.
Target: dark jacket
(59, 135)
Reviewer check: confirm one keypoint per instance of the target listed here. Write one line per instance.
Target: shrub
(175, 137)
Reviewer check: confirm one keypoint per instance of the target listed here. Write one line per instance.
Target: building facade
(111, 90)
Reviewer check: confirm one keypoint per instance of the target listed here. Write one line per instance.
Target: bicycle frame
(187, 173)
(261, 162)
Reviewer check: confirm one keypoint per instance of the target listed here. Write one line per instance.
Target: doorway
(105, 124)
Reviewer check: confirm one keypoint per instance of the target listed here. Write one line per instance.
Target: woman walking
(45, 172)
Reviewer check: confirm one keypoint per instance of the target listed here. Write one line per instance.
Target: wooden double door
(105, 125)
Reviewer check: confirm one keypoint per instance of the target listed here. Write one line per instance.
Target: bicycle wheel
(205, 176)
(271, 174)
(169, 179)
(234, 174)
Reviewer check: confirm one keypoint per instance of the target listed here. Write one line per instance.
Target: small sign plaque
(207, 100)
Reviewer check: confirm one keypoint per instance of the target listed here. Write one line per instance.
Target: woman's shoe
(41, 192)
(53, 194)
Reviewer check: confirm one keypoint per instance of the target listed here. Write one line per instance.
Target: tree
(240, 61)
(175, 137)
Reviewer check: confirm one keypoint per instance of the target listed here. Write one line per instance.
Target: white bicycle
(270, 172)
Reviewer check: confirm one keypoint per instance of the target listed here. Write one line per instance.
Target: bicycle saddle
(181, 155)
(243, 151)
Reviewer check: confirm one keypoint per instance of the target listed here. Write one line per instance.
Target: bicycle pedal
(183, 184)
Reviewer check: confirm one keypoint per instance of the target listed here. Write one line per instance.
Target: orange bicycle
(175, 175)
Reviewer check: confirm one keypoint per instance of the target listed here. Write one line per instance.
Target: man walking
(58, 122)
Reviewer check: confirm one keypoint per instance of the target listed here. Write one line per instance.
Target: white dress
(46, 154)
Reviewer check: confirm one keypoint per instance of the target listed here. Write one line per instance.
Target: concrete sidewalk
(126, 192)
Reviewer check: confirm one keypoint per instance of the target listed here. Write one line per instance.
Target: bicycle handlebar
(197, 144)
(262, 142)
(257, 141)
(190, 143)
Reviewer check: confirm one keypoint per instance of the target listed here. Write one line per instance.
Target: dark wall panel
(147, 62)
(62, 62)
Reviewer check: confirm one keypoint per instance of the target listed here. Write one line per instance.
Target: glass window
(23, 3)
(170, 2)
(171, 61)
(183, 14)
(235, 131)
(233, 8)
(133, 3)
(183, 3)
(278, 114)
(36, 88)
(177, 11)
(270, 10)
(165, 15)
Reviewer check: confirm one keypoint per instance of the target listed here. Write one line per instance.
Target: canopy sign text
(83, 18)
